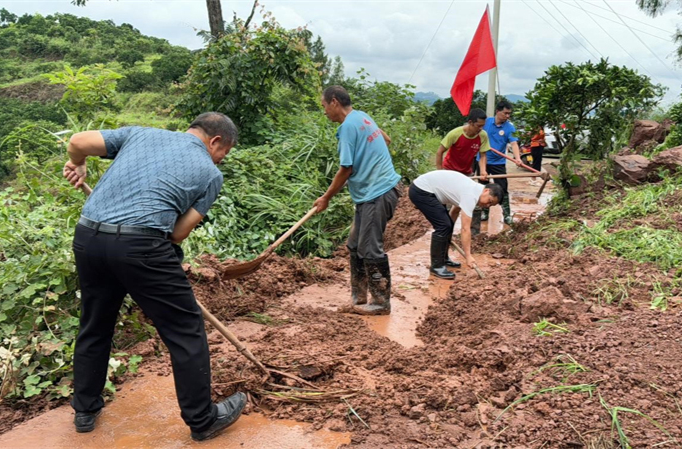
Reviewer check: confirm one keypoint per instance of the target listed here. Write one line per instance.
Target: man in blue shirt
(159, 187)
(500, 133)
(367, 167)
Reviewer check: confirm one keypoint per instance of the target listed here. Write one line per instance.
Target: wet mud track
(457, 364)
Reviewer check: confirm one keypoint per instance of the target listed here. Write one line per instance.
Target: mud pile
(485, 378)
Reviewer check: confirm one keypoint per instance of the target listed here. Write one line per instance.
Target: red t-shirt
(462, 150)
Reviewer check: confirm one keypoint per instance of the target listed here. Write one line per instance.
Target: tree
(445, 115)
(238, 73)
(89, 90)
(592, 101)
(656, 7)
(337, 74)
(374, 97)
(215, 18)
(7, 17)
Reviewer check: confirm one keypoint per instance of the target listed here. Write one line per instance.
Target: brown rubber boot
(379, 283)
(358, 279)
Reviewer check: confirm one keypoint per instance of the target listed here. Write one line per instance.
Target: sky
(423, 42)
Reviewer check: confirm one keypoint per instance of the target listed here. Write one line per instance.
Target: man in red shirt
(462, 144)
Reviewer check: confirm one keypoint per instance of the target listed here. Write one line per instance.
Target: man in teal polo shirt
(367, 167)
(500, 133)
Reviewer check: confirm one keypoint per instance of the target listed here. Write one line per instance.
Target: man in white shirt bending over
(432, 192)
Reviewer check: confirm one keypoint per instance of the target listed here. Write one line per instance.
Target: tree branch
(253, 9)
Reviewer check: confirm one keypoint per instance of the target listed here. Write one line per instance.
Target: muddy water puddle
(413, 290)
(145, 414)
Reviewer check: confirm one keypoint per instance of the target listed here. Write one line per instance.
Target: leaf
(32, 380)
(31, 391)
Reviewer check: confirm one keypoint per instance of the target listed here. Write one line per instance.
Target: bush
(138, 81)
(172, 66)
(129, 56)
(13, 112)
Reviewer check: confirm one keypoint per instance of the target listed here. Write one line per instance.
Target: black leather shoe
(452, 263)
(442, 273)
(228, 412)
(85, 421)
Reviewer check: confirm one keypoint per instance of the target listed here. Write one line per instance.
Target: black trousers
(433, 210)
(536, 152)
(369, 223)
(500, 169)
(147, 268)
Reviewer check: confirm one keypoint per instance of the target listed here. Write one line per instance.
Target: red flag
(479, 58)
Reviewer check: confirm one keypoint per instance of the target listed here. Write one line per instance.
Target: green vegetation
(617, 426)
(588, 105)
(563, 367)
(579, 388)
(614, 290)
(644, 242)
(545, 328)
(287, 158)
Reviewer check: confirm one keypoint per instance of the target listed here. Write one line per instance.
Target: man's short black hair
(217, 124)
(503, 104)
(476, 115)
(337, 92)
(496, 191)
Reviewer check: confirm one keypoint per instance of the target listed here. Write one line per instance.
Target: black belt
(108, 228)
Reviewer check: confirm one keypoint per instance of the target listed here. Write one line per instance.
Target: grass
(642, 244)
(617, 426)
(260, 318)
(555, 233)
(564, 367)
(544, 328)
(615, 233)
(614, 290)
(578, 388)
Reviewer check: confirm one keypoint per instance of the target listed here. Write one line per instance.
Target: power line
(629, 18)
(614, 40)
(643, 43)
(429, 44)
(566, 29)
(576, 28)
(667, 39)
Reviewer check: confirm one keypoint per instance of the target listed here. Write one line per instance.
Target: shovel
(545, 178)
(244, 268)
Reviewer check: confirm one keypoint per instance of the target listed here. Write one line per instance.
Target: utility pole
(492, 74)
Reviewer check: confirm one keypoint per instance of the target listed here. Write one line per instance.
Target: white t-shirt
(451, 187)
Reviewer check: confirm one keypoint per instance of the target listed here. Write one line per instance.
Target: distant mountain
(515, 98)
(430, 97)
(426, 97)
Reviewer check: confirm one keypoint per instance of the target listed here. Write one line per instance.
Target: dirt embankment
(36, 91)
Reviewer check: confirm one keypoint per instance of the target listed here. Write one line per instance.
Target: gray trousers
(367, 233)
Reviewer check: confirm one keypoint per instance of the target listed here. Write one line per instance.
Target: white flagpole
(492, 74)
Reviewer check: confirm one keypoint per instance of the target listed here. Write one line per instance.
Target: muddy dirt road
(457, 364)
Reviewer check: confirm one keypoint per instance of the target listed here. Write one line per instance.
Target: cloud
(418, 42)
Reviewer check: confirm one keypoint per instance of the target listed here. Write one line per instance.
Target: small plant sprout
(260, 318)
(614, 290)
(659, 297)
(579, 388)
(544, 328)
(617, 426)
(563, 367)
